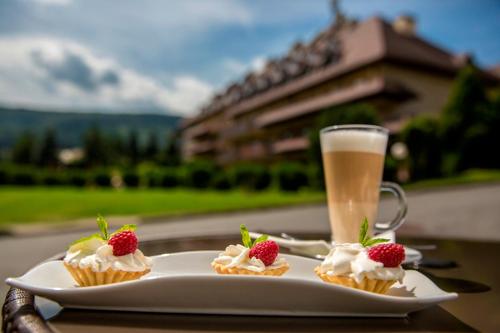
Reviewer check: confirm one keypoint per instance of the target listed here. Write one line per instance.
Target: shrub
(24, 177)
(77, 178)
(130, 178)
(3, 176)
(102, 178)
(291, 176)
(199, 174)
(221, 181)
(251, 177)
(169, 177)
(152, 178)
(52, 178)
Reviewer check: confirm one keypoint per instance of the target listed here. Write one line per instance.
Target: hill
(71, 126)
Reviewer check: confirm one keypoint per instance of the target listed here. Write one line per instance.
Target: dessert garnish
(258, 257)
(366, 265)
(103, 258)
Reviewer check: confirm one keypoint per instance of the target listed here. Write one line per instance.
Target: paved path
(471, 212)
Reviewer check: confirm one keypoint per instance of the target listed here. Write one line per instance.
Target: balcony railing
(290, 145)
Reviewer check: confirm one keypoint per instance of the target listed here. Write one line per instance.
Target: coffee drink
(353, 161)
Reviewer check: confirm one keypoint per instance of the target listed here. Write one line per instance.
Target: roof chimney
(405, 25)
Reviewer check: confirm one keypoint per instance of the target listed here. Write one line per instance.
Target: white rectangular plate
(185, 283)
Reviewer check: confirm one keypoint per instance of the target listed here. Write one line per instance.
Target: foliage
(130, 178)
(52, 178)
(421, 136)
(221, 181)
(94, 148)
(133, 148)
(47, 155)
(171, 155)
(24, 148)
(152, 149)
(470, 123)
(170, 177)
(78, 178)
(101, 178)
(198, 174)
(291, 176)
(251, 176)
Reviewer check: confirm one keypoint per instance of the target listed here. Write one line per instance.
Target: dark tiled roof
(332, 52)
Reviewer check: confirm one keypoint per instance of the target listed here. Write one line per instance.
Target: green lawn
(33, 204)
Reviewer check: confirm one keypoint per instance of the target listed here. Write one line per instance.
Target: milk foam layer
(353, 140)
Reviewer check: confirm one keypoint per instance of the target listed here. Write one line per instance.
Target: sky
(172, 56)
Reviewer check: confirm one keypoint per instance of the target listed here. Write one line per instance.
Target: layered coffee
(353, 162)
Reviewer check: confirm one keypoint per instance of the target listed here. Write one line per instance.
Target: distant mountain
(71, 126)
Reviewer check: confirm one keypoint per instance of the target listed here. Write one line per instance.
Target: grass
(34, 204)
(473, 176)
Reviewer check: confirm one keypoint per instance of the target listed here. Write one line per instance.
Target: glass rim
(361, 127)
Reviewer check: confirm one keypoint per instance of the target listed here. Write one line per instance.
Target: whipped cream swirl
(351, 260)
(99, 257)
(238, 256)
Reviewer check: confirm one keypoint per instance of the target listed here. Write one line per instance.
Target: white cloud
(53, 2)
(235, 68)
(59, 73)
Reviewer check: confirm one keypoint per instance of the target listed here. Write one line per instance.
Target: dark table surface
(476, 309)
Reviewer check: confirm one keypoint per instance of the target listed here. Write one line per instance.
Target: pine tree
(47, 156)
(94, 149)
(171, 154)
(151, 151)
(133, 148)
(23, 150)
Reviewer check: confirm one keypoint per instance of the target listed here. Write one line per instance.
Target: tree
(359, 113)
(151, 151)
(133, 148)
(94, 147)
(171, 154)
(468, 130)
(23, 150)
(47, 156)
(421, 136)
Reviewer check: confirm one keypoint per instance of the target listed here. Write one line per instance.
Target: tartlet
(104, 258)
(364, 265)
(260, 257)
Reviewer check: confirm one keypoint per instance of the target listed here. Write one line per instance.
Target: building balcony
(203, 130)
(253, 151)
(359, 91)
(290, 145)
(200, 148)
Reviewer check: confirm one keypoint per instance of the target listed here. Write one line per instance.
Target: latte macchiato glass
(353, 161)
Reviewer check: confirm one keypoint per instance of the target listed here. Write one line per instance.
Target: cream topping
(238, 256)
(102, 259)
(352, 260)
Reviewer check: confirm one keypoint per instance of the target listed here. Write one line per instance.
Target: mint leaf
(364, 239)
(261, 239)
(363, 232)
(86, 238)
(103, 226)
(374, 241)
(245, 236)
(126, 227)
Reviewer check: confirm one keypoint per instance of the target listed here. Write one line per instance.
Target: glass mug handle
(403, 207)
